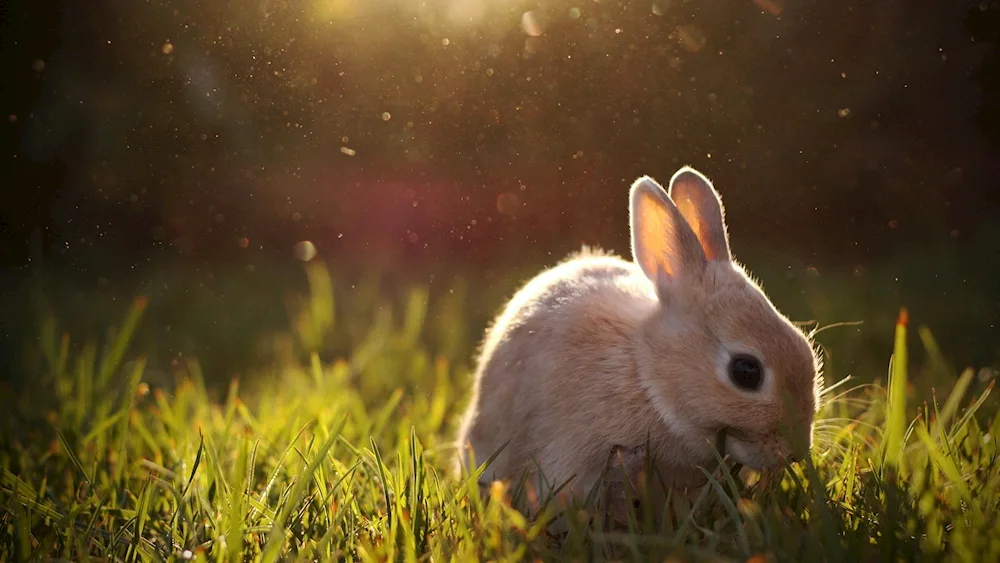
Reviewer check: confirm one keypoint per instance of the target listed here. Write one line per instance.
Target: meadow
(342, 453)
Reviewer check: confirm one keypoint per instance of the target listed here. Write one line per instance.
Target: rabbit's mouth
(755, 454)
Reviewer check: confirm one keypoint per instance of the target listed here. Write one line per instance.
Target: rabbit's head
(718, 355)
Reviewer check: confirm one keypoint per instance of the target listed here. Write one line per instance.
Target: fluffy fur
(599, 353)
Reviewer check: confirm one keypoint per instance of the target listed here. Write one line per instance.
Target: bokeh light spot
(530, 25)
(773, 7)
(508, 203)
(305, 250)
(692, 38)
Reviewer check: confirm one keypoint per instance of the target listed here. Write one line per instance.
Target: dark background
(180, 149)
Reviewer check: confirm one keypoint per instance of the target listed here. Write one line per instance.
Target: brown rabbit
(599, 353)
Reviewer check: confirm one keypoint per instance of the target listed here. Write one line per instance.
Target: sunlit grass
(347, 459)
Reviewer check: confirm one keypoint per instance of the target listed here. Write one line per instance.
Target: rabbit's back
(560, 342)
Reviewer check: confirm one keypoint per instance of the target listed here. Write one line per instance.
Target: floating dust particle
(530, 25)
(38, 65)
(574, 13)
(445, 42)
(691, 37)
(344, 139)
(844, 112)
(12, 118)
(167, 48)
(348, 151)
(660, 7)
(243, 242)
(386, 116)
(304, 250)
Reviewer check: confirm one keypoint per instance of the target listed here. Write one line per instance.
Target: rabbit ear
(701, 207)
(663, 244)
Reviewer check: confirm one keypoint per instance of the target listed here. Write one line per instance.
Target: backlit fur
(595, 353)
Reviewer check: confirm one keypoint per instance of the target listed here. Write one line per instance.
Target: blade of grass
(281, 460)
(72, 457)
(730, 507)
(950, 470)
(896, 407)
(115, 354)
(275, 540)
(958, 392)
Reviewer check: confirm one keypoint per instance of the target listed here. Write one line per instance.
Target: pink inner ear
(695, 203)
(668, 244)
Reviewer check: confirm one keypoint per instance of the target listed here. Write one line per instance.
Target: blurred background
(198, 153)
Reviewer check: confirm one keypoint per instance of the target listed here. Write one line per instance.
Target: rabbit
(598, 354)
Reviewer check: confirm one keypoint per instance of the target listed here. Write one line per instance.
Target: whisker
(818, 329)
(828, 388)
(857, 388)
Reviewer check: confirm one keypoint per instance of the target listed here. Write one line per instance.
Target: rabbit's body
(598, 353)
(595, 297)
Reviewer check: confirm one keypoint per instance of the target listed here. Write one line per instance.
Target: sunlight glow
(335, 9)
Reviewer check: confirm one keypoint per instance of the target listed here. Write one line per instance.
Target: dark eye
(746, 372)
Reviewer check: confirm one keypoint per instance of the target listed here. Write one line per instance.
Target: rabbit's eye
(746, 372)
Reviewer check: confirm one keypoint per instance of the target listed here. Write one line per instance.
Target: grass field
(346, 460)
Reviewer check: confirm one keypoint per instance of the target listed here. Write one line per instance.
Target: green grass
(346, 459)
